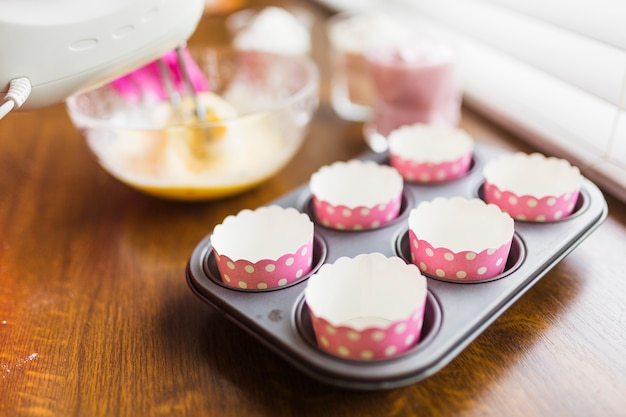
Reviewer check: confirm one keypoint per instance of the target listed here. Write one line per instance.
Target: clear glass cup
(414, 82)
(351, 35)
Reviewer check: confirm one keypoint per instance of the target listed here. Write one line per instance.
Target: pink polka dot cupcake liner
(462, 266)
(356, 218)
(367, 308)
(528, 208)
(266, 248)
(356, 195)
(459, 239)
(267, 273)
(532, 187)
(430, 153)
(428, 172)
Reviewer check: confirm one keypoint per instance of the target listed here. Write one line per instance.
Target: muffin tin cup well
(430, 153)
(431, 319)
(368, 307)
(515, 257)
(212, 271)
(269, 247)
(532, 187)
(455, 312)
(356, 195)
(460, 238)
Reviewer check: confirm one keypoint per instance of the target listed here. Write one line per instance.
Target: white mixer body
(67, 46)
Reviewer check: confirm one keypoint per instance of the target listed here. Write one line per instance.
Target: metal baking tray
(456, 313)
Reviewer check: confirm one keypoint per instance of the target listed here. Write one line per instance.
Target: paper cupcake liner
(460, 239)
(267, 248)
(463, 266)
(528, 208)
(356, 195)
(356, 218)
(428, 172)
(430, 153)
(369, 344)
(532, 187)
(267, 273)
(367, 308)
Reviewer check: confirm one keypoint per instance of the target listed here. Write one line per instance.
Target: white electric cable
(19, 90)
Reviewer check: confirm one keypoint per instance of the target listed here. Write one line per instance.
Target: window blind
(554, 71)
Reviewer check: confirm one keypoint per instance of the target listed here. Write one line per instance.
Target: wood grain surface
(96, 318)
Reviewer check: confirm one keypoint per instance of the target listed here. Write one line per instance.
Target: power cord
(19, 90)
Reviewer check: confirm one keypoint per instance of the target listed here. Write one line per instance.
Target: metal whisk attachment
(171, 90)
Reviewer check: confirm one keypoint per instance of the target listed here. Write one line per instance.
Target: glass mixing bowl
(258, 109)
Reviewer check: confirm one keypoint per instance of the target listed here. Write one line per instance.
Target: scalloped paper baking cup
(459, 239)
(356, 195)
(430, 153)
(532, 187)
(368, 307)
(265, 248)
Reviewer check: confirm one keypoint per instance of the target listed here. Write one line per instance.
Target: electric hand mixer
(50, 50)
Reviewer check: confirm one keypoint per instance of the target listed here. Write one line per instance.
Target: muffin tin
(455, 313)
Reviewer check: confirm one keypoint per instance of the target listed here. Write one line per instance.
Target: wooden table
(96, 318)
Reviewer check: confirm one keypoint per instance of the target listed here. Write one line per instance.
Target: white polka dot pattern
(462, 266)
(359, 218)
(529, 208)
(429, 172)
(267, 273)
(369, 344)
